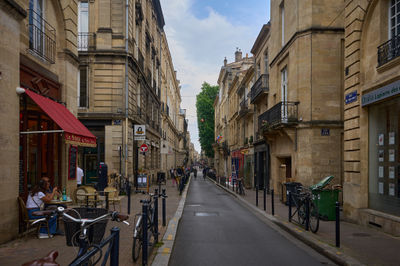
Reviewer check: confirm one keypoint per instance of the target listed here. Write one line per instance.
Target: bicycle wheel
(301, 213)
(137, 245)
(314, 218)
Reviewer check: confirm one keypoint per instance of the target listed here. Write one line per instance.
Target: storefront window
(384, 157)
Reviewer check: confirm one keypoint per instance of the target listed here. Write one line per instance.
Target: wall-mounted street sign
(144, 148)
(351, 97)
(140, 132)
(325, 132)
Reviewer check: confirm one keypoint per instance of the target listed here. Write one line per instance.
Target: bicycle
(241, 188)
(302, 200)
(138, 230)
(83, 240)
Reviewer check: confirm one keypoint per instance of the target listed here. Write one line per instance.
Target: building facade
(38, 55)
(371, 187)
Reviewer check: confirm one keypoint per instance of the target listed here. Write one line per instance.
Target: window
(266, 63)
(83, 26)
(83, 87)
(394, 18)
(284, 94)
(282, 7)
(258, 70)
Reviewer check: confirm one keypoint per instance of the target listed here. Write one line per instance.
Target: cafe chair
(28, 222)
(79, 196)
(113, 197)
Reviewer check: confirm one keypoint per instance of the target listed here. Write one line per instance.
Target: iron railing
(260, 86)
(243, 107)
(389, 50)
(283, 113)
(42, 37)
(86, 41)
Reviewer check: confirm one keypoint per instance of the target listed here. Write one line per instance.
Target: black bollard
(272, 202)
(128, 191)
(145, 207)
(265, 198)
(107, 203)
(164, 218)
(307, 214)
(290, 206)
(114, 254)
(337, 224)
(257, 195)
(233, 185)
(156, 216)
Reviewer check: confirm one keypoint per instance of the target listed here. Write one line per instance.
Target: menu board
(73, 153)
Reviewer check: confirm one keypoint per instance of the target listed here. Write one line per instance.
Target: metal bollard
(265, 198)
(272, 202)
(257, 195)
(114, 255)
(337, 224)
(164, 218)
(107, 201)
(145, 245)
(128, 191)
(233, 185)
(156, 216)
(290, 206)
(307, 214)
(159, 188)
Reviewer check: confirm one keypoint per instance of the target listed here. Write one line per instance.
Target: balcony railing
(42, 37)
(259, 87)
(244, 107)
(86, 41)
(283, 113)
(389, 50)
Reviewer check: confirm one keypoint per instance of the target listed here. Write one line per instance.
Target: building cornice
(15, 7)
(299, 34)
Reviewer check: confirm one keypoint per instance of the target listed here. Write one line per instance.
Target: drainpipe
(126, 85)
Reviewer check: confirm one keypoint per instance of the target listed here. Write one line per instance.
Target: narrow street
(216, 229)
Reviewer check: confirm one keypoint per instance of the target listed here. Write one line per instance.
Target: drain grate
(205, 214)
(361, 234)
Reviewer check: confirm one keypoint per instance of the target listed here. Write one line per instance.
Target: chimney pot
(238, 55)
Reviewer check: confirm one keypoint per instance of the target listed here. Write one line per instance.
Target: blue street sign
(351, 97)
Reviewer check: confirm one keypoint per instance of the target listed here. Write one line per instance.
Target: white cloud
(198, 47)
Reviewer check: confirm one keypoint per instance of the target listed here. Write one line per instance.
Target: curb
(163, 253)
(333, 253)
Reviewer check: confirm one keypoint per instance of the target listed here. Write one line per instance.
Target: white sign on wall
(140, 132)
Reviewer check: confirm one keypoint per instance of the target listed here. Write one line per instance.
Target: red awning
(74, 131)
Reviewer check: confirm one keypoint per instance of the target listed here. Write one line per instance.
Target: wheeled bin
(291, 187)
(325, 199)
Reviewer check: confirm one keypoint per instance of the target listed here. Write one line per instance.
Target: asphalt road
(216, 229)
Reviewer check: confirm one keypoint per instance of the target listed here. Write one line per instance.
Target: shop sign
(381, 93)
(351, 97)
(140, 132)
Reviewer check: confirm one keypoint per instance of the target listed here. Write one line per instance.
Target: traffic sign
(144, 148)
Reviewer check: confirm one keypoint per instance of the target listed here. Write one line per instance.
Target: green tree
(205, 117)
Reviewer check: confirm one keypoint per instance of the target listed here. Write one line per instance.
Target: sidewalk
(359, 245)
(26, 249)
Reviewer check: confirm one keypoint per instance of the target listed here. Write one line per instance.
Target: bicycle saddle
(49, 260)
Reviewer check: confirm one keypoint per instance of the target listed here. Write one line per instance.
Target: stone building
(226, 108)
(39, 131)
(170, 111)
(303, 123)
(120, 84)
(371, 186)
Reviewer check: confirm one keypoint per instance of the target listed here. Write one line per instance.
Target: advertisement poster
(380, 188)
(392, 138)
(381, 155)
(391, 155)
(381, 139)
(391, 189)
(391, 172)
(381, 174)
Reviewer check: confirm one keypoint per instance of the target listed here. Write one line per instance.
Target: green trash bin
(325, 199)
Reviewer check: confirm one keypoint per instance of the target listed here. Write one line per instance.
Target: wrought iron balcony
(389, 50)
(86, 41)
(42, 37)
(244, 108)
(261, 86)
(282, 114)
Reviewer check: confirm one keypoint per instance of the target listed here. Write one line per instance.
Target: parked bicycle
(83, 242)
(304, 202)
(152, 231)
(240, 187)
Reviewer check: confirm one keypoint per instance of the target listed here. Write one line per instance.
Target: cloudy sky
(201, 33)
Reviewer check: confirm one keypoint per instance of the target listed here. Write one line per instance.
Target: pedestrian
(79, 176)
(172, 172)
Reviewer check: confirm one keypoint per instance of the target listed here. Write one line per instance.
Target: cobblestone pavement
(30, 247)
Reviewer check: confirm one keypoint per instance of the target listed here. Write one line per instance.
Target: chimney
(225, 61)
(238, 55)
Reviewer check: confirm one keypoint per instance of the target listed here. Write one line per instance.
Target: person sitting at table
(36, 198)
